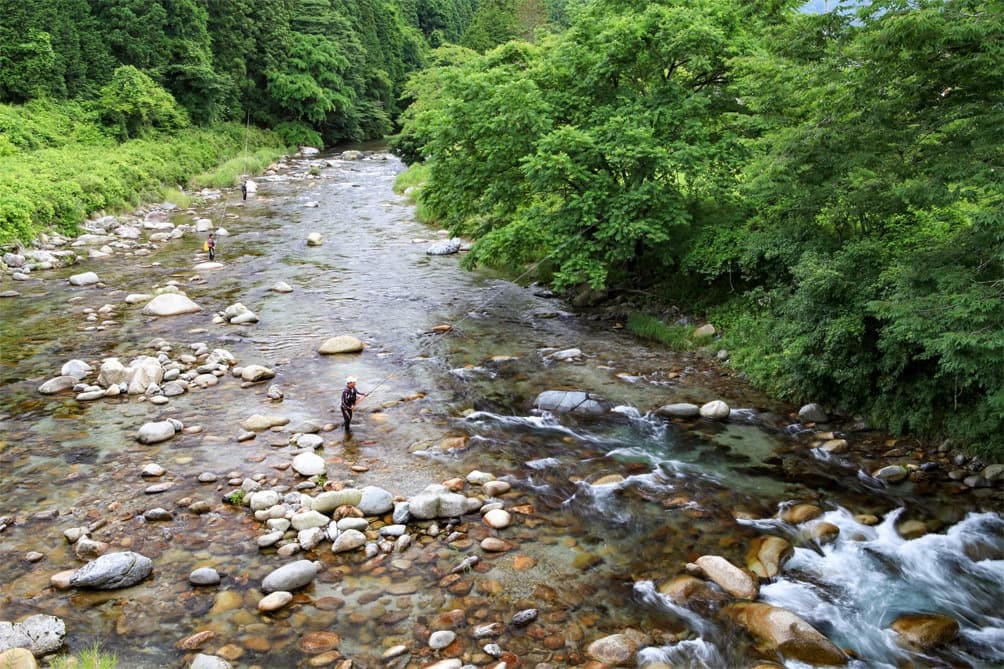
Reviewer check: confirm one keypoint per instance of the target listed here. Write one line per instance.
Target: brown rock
(801, 513)
(777, 629)
(613, 650)
(194, 641)
(925, 631)
(684, 588)
(314, 643)
(733, 580)
(17, 658)
(825, 533)
(495, 545)
(767, 555)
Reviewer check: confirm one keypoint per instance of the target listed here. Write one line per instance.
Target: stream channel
(589, 557)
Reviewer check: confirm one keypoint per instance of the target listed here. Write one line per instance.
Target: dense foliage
(325, 70)
(60, 165)
(825, 185)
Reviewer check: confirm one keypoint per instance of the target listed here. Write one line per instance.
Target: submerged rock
(568, 401)
(289, 577)
(39, 634)
(777, 629)
(170, 304)
(341, 344)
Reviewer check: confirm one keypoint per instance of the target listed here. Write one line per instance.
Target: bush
(675, 337)
(89, 658)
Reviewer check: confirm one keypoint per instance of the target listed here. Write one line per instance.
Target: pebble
(275, 601)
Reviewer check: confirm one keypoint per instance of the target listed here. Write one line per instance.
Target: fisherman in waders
(349, 398)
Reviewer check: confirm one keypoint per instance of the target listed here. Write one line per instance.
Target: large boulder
(925, 631)
(170, 304)
(39, 634)
(143, 372)
(444, 247)
(437, 501)
(155, 432)
(780, 630)
(112, 372)
(112, 571)
(58, 384)
(570, 401)
(341, 344)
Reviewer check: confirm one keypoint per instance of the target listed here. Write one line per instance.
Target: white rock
(716, 410)
(170, 304)
(498, 519)
(85, 279)
(152, 433)
(314, 239)
(308, 464)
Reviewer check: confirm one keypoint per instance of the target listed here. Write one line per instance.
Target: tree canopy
(828, 184)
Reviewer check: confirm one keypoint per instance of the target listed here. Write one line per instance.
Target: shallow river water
(590, 557)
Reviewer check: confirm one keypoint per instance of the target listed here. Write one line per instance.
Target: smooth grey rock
(812, 413)
(716, 410)
(347, 541)
(328, 501)
(204, 576)
(58, 384)
(85, 279)
(170, 304)
(570, 401)
(202, 661)
(112, 571)
(152, 433)
(375, 501)
(680, 410)
(290, 577)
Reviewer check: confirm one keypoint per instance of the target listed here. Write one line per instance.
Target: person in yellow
(211, 246)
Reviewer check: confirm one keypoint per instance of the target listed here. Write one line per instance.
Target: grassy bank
(57, 169)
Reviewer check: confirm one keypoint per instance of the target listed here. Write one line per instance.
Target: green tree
(132, 104)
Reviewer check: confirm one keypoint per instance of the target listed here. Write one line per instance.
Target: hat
(351, 379)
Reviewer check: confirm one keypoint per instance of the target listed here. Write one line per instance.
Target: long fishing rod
(382, 381)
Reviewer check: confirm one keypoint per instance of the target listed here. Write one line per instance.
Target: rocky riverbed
(525, 486)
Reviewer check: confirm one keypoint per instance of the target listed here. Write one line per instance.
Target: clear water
(589, 557)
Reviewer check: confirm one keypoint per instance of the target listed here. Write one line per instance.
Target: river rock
(144, 372)
(263, 499)
(926, 630)
(767, 555)
(112, 372)
(891, 473)
(328, 501)
(568, 401)
(308, 464)
(441, 639)
(292, 576)
(308, 519)
(76, 368)
(153, 433)
(170, 304)
(812, 413)
(733, 580)
(39, 634)
(274, 601)
(203, 661)
(113, 571)
(715, 410)
(204, 576)
(281, 287)
(436, 501)
(347, 541)
(58, 384)
(314, 239)
(498, 519)
(85, 279)
(256, 373)
(341, 344)
(260, 423)
(800, 513)
(777, 629)
(613, 650)
(17, 658)
(679, 410)
(375, 501)
(444, 247)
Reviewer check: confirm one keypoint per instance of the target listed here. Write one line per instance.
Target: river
(607, 508)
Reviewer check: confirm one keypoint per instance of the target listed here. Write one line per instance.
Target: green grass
(229, 174)
(675, 337)
(89, 658)
(413, 177)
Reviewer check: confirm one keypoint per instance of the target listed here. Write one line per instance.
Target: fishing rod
(382, 381)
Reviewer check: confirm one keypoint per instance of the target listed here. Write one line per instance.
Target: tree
(132, 104)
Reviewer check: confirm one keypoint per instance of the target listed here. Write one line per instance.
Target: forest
(821, 185)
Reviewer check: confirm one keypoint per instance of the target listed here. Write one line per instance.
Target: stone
(314, 239)
(716, 410)
(812, 413)
(613, 650)
(112, 571)
(375, 501)
(85, 279)
(347, 541)
(17, 658)
(679, 410)
(256, 373)
(891, 473)
(328, 501)
(290, 577)
(40, 634)
(767, 555)
(202, 661)
(444, 247)
(733, 580)
(800, 513)
(204, 576)
(498, 519)
(76, 368)
(567, 401)
(308, 464)
(925, 631)
(58, 384)
(170, 304)
(153, 433)
(341, 344)
(441, 639)
(274, 601)
(780, 630)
